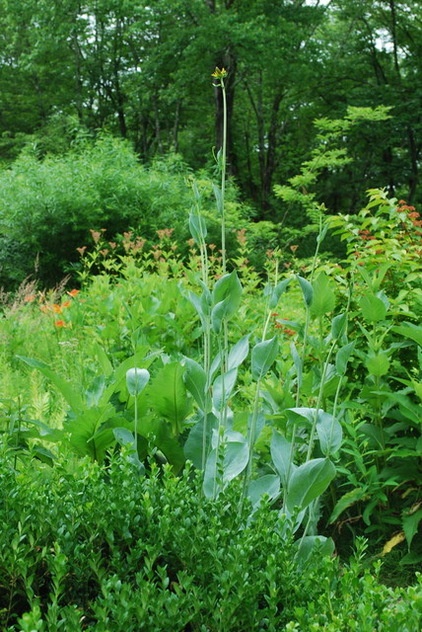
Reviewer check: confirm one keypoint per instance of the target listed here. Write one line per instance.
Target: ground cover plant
(243, 429)
(162, 555)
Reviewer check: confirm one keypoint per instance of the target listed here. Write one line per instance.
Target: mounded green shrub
(48, 206)
(85, 547)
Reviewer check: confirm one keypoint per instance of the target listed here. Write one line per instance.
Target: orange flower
(65, 304)
(57, 309)
(73, 293)
(60, 323)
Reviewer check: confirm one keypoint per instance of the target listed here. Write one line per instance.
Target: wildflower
(365, 235)
(96, 234)
(60, 323)
(219, 73)
(285, 330)
(294, 247)
(165, 233)
(81, 250)
(65, 304)
(73, 293)
(57, 309)
(138, 245)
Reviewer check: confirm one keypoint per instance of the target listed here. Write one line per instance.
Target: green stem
(319, 400)
(223, 178)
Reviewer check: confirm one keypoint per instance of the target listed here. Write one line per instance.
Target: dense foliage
(161, 556)
(140, 70)
(337, 404)
(209, 414)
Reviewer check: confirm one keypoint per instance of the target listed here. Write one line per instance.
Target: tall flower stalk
(220, 75)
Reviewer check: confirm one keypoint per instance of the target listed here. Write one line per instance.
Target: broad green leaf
(238, 353)
(89, 434)
(222, 389)
(411, 525)
(308, 481)
(277, 291)
(169, 445)
(259, 423)
(236, 455)
(307, 290)
(310, 414)
(311, 544)
(282, 456)
(373, 308)
(136, 380)
(410, 330)
(197, 228)
(330, 433)
(378, 364)
(118, 382)
(343, 356)
(263, 355)
(124, 436)
(268, 485)
(323, 232)
(216, 364)
(168, 397)
(338, 326)
(43, 454)
(201, 305)
(198, 443)
(226, 297)
(72, 396)
(417, 387)
(95, 392)
(233, 459)
(195, 380)
(103, 360)
(218, 198)
(41, 431)
(227, 286)
(347, 500)
(323, 296)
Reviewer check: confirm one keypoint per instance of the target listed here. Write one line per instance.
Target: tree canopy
(142, 70)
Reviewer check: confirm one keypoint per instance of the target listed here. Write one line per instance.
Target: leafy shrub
(382, 415)
(161, 555)
(48, 206)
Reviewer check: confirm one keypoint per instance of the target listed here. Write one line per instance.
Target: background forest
(71, 73)
(140, 70)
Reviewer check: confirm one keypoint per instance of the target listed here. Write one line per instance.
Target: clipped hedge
(85, 547)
